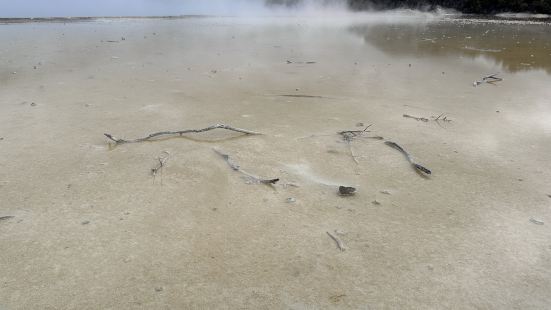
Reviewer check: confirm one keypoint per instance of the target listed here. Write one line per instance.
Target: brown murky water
(92, 228)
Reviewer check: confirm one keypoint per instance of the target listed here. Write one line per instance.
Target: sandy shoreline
(92, 228)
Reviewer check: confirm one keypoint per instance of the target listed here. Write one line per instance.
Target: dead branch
(162, 160)
(422, 119)
(340, 245)
(490, 79)
(408, 157)
(304, 96)
(349, 135)
(251, 177)
(180, 133)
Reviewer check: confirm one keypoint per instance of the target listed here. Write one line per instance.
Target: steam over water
(49, 8)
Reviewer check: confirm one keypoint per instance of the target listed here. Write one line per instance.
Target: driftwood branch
(180, 133)
(338, 241)
(490, 79)
(253, 178)
(440, 118)
(422, 119)
(408, 157)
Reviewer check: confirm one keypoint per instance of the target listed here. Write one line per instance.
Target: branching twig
(250, 176)
(340, 245)
(162, 160)
(416, 118)
(414, 164)
(490, 79)
(180, 133)
(349, 135)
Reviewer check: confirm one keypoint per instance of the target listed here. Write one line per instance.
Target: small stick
(180, 133)
(303, 96)
(237, 168)
(4, 218)
(414, 164)
(340, 245)
(352, 152)
(416, 118)
(162, 162)
(348, 135)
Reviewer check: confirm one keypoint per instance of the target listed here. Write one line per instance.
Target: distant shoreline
(538, 18)
(23, 20)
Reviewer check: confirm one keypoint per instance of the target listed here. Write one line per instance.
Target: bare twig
(340, 245)
(304, 96)
(409, 158)
(349, 135)
(250, 176)
(490, 79)
(180, 133)
(162, 160)
(416, 118)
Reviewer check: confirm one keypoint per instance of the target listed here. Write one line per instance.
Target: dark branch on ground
(180, 133)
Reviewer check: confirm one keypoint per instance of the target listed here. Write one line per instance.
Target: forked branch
(180, 133)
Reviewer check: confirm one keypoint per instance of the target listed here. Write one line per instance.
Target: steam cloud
(57, 8)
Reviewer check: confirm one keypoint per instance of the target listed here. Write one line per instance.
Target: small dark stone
(159, 289)
(347, 190)
(33, 104)
(85, 223)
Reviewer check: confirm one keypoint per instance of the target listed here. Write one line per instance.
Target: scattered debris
(347, 191)
(290, 200)
(360, 124)
(375, 202)
(4, 218)
(250, 177)
(85, 223)
(162, 160)
(408, 157)
(534, 221)
(180, 133)
(385, 192)
(112, 41)
(340, 245)
(159, 289)
(33, 104)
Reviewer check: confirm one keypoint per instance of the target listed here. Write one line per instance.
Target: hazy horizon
(69, 8)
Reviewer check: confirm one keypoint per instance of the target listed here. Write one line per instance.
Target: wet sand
(92, 228)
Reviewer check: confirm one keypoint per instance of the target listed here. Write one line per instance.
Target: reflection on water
(514, 47)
